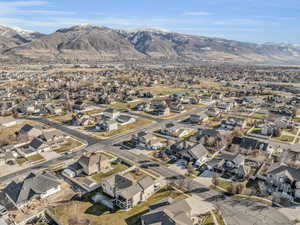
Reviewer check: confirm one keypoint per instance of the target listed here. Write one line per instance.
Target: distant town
(148, 144)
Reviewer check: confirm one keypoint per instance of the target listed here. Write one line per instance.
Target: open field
(161, 90)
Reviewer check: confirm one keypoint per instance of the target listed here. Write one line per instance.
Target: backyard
(98, 214)
(116, 168)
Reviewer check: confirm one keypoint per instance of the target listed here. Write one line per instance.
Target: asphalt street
(235, 211)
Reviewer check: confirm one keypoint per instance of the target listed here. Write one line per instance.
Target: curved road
(235, 211)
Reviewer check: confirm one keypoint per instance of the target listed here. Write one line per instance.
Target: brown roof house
(94, 163)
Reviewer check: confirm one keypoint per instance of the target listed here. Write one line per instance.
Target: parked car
(3, 210)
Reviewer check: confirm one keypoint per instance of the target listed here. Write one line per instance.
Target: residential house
(176, 107)
(194, 153)
(37, 145)
(284, 180)
(210, 138)
(162, 111)
(225, 106)
(94, 163)
(143, 107)
(79, 106)
(233, 165)
(34, 186)
(213, 112)
(248, 145)
(111, 113)
(124, 120)
(233, 122)
(198, 118)
(107, 126)
(194, 100)
(283, 123)
(177, 212)
(127, 192)
(268, 129)
(147, 141)
(81, 119)
(176, 131)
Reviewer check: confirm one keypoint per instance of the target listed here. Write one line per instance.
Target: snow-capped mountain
(88, 43)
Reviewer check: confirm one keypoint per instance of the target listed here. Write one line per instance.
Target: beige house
(126, 191)
(94, 163)
(177, 212)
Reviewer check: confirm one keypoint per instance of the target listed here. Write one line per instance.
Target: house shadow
(136, 219)
(198, 190)
(97, 210)
(216, 198)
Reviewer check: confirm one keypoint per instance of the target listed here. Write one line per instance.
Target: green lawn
(93, 111)
(219, 218)
(293, 131)
(100, 215)
(225, 184)
(117, 168)
(34, 158)
(21, 161)
(256, 130)
(285, 138)
(208, 220)
(69, 145)
(63, 118)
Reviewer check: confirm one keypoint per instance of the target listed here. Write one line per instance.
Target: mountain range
(91, 44)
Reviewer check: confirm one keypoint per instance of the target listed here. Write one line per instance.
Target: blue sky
(244, 20)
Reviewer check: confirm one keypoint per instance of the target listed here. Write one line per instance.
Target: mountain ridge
(88, 43)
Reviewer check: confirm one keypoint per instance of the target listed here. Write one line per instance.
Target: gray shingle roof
(31, 187)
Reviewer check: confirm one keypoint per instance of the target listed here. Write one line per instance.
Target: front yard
(69, 145)
(285, 138)
(97, 214)
(30, 159)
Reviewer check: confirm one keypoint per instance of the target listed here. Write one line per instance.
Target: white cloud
(17, 4)
(21, 8)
